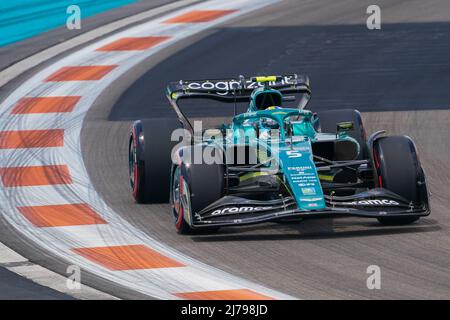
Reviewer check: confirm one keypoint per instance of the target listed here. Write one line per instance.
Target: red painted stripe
(35, 176)
(197, 16)
(133, 44)
(31, 139)
(81, 73)
(239, 294)
(61, 215)
(29, 105)
(127, 257)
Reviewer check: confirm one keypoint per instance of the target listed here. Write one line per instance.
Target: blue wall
(22, 19)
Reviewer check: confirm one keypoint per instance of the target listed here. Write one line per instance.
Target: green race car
(272, 162)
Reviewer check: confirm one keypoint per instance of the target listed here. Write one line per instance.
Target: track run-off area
(70, 196)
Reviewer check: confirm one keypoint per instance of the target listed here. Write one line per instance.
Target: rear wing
(235, 90)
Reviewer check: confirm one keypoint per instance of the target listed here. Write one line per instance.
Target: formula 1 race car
(272, 162)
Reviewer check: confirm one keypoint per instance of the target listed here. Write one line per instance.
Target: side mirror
(316, 122)
(344, 127)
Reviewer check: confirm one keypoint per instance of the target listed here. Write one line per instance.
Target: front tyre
(399, 171)
(136, 172)
(193, 188)
(181, 202)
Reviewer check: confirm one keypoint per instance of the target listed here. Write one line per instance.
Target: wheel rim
(176, 192)
(180, 198)
(376, 159)
(132, 165)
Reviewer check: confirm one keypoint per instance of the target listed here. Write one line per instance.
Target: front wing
(238, 210)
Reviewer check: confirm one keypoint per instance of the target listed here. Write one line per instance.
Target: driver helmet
(266, 98)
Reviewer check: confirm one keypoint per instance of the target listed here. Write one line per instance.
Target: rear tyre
(150, 148)
(194, 187)
(398, 170)
(329, 119)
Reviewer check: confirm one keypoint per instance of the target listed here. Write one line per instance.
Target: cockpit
(264, 99)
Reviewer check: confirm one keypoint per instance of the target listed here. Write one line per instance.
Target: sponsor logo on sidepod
(308, 191)
(233, 210)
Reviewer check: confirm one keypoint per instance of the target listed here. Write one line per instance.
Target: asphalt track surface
(14, 287)
(398, 76)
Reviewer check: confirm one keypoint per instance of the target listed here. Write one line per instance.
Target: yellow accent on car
(326, 177)
(251, 175)
(266, 79)
(345, 125)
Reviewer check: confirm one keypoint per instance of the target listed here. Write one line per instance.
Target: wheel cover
(180, 198)
(132, 165)
(176, 192)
